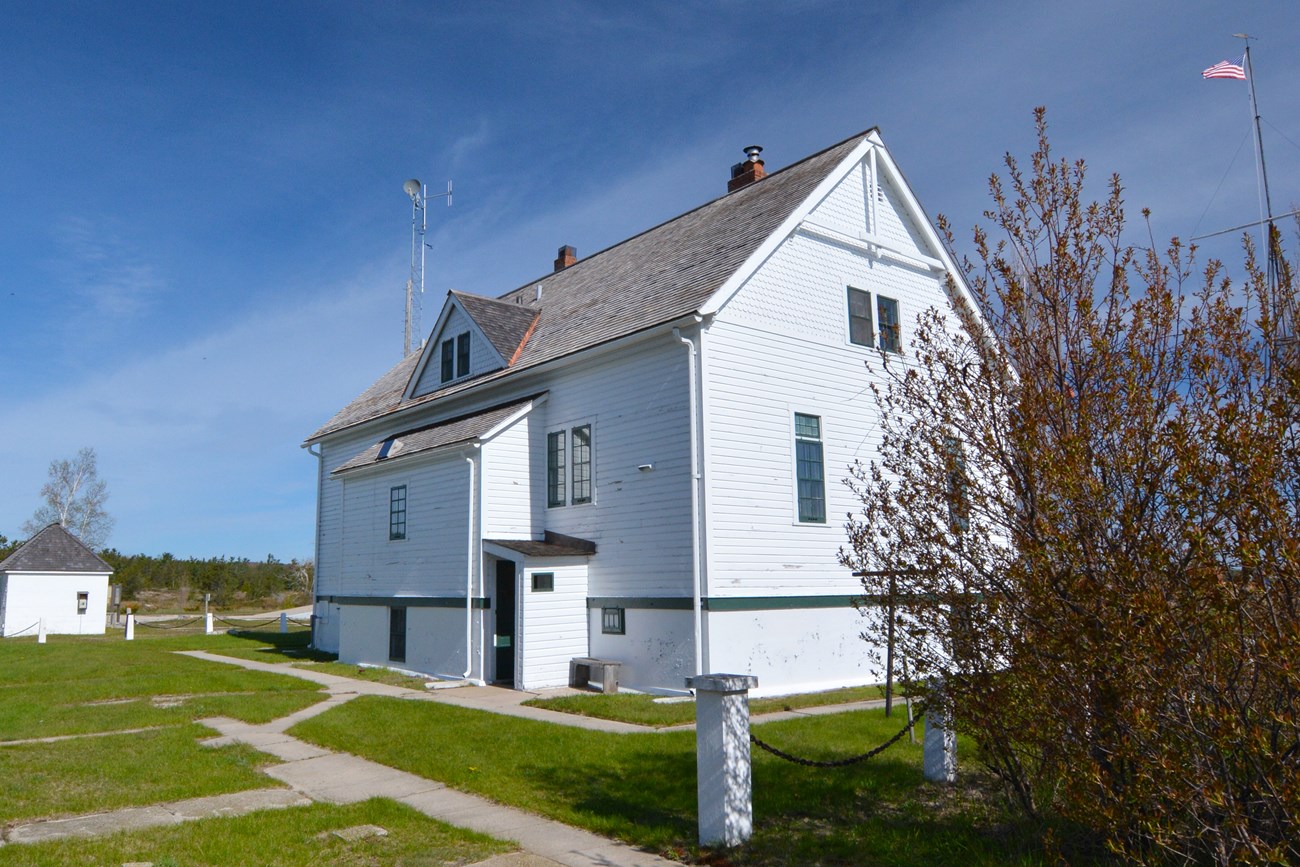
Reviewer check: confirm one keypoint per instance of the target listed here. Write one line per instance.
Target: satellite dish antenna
(413, 187)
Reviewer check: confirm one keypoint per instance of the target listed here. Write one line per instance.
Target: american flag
(1226, 69)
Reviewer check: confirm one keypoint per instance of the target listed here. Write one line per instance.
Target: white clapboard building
(639, 456)
(53, 577)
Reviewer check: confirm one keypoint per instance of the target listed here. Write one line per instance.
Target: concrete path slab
(95, 824)
(340, 778)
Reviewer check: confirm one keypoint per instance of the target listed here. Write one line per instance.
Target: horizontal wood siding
(507, 483)
(636, 403)
(553, 624)
(780, 347)
(431, 559)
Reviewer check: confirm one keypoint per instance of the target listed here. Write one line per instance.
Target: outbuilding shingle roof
(658, 276)
(54, 549)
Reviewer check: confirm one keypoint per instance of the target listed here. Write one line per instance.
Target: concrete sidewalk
(340, 778)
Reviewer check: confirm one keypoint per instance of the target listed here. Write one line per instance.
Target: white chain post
(722, 762)
(940, 750)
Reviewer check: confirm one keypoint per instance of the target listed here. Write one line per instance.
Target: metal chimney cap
(752, 152)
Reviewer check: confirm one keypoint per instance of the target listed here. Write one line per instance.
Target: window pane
(890, 336)
(397, 634)
(809, 426)
(448, 349)
(555, 468)
(860, 317)
(809, 470)
(397, 512)
(462, 354)
(612, 621)
(582, 464)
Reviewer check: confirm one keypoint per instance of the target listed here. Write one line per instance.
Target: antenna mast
(419, 194)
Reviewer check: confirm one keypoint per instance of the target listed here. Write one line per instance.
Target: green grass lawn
(75, 685)
(644, 710)
(294, 837)
(641, 788)
(102, 684)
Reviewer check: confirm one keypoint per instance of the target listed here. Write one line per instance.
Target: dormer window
(455, 357)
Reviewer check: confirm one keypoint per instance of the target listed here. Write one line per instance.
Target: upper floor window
(555, 464)
(569, 476)
(582, 464)
(397, 512)
(809, 471)
(891, 338)
(860, 331)
(455, 357)
(462, 354)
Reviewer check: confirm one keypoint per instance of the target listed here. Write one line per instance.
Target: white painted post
(940, 750)
(130, 626)
(722, 767)
(40, 632)
(284, 622)
(207, 623)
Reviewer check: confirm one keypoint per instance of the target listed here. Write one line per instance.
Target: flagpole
(1259, 138)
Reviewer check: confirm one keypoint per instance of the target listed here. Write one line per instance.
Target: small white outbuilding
(53, 577)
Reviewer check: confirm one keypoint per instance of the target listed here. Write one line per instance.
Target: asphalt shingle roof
(54, 549)
(658, 276)
(461, 429)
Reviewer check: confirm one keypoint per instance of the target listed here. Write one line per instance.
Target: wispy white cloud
(102, 269)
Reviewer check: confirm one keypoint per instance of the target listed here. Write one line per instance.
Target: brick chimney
(567, 257)
(744, 174)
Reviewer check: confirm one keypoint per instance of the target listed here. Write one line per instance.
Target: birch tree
(74, 496)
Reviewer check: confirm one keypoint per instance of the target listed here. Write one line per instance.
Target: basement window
(397, 634)
(612, 621)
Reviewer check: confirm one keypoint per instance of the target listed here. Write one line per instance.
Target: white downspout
(469, 569)
(315, 567)
(695, 503)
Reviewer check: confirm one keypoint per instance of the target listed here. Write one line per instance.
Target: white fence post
(40, 632)
(284, 622)
(940, 750)
(207, 623)
(722, 765)
(130, 626)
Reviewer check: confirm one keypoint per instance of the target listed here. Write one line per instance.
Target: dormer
(473, 336)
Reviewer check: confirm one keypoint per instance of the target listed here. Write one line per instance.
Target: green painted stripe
(672, 603)
(777, 603)
(727, 603)
(411, 601)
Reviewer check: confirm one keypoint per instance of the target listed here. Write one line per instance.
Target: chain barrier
(244, 624)
(168, 625)
(917, 713)
(20, 632)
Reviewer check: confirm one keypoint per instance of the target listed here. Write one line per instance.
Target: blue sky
(204, 239)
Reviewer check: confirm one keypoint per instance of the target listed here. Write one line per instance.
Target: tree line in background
(1085, 519)
(231, 581)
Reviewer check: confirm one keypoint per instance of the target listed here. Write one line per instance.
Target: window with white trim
(810, 472)
(860, 328)
(581, 464)
(397, 512)
(569, 471)
(455, 357)
(891, 338)
(555, 456)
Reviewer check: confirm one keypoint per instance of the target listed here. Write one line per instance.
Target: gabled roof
(656, 277)
(505, 325)
(54, 549)
(452, 431)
